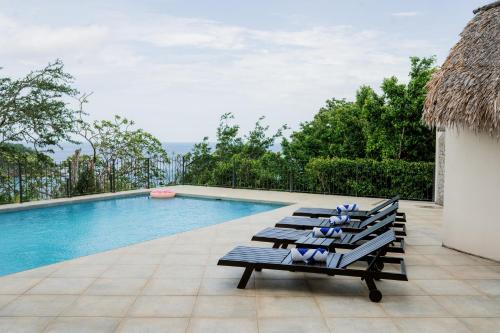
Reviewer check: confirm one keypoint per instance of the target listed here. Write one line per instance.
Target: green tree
(393, 126)
(257, 142)
(34, 109)
(116, 139)
(228, 142)
(336, 130)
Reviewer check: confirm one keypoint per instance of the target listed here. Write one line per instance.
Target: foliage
(368, 177)
(336, 130)
(33, 109)
(117, 139)
(385, 126)
(393, 127)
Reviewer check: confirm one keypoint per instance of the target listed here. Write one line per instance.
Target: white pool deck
(173, 284)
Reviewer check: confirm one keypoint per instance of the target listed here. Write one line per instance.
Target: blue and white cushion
(340, 219)
(309, 256)
(346, 208)
(327, 232)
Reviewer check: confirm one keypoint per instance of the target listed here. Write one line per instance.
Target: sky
(174, 67)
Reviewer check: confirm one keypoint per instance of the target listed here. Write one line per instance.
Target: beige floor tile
(473, 272)
(116, 286)
(452, 259)
(16, 285)
(139, 259)
(482, 325)
(289, 287)
(179, 272)
(99, 306)
(361, 325)
(268, 274)
(220, 272)
(153, 325)
(286, 306)
(162, 306)
(399, 288)
(431, 325)
(23, 324)
(185, 259)
(104, 258)
(412, 306)
(201, 249)
(428, 272)
(225, 287)
(79, 271)
(302, 325)
(349, 306)
(39, 272)
(129, 271)
(470, 306)
(227, 325)
(488, 287)
(225, 306)
(446, 287)
(37, 305)
(336, 287)
(62, 286)
(416, 259)
(172, 287)
(6, 299)
(82, 325)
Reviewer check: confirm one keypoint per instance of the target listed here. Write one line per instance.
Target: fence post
(20, 181)
(113, 180)
(148, 172)
(290, 180)
(68, 184)
(183, 170)
(233, 178)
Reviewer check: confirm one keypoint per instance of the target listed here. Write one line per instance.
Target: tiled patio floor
(173, 285)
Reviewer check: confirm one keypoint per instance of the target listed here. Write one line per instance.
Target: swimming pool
(42, 236)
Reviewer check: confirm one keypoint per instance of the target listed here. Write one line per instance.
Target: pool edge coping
(15, 207)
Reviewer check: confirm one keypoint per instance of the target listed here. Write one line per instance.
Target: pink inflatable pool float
(162, 194)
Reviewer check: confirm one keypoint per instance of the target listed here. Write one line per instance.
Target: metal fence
(24, 180)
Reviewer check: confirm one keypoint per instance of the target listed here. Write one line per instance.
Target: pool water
(42, 236)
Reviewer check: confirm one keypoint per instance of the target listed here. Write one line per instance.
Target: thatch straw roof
(465, 91)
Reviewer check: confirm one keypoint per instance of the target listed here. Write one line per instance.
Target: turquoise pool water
(42, 236)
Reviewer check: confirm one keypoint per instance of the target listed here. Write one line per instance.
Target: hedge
(371, 178)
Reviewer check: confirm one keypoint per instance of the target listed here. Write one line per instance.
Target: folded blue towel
(340, 219)
(327, 232)
(346, 208)
(309, 256)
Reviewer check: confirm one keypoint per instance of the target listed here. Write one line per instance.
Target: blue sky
(175, 66)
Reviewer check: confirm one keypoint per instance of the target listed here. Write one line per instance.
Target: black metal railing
(26, 180)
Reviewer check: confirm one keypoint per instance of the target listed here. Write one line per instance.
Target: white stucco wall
(472, 193)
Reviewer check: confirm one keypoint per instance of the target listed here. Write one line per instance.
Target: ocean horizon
(172, 148)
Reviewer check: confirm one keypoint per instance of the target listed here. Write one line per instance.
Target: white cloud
(175, 75)
(405, 14)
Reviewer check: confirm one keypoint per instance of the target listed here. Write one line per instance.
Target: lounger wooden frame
(305, 223)
(357, 215)
(371, 252)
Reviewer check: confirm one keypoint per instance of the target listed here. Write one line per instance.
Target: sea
(172, 148)
(68, 149)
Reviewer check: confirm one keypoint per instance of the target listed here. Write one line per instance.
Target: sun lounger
(282, 237)
(358, 215)
(306, 223)
(258, 258)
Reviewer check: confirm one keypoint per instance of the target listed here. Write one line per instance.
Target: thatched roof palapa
(465, 91)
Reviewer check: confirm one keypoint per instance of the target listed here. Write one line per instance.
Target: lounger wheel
(379, 265)
(375, 295)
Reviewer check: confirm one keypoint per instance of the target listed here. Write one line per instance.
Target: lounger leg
(375, 294)
(276, 245)
(284, 246)
(245, 277)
